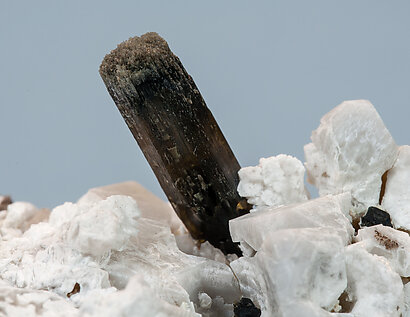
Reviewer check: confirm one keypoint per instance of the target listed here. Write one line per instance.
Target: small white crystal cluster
(305, 259)
(121, 251)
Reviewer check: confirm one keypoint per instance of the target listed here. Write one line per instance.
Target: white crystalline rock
(277, 180)
(350, 151)
(70, 247)
(294, 266)
(23, 302)
(190, 246)
(176, 277)
(150, 205)
(105, 225)
(396, 198)
(392, 244)
(19, 216)
(325, 212)
(372, 285)
(137, 299)
(406, 309)
(102, 246)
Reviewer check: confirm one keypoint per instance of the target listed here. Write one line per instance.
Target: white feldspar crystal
(396, 199)
(350, 151)
(23, 302)
(372, 285)
(277, 180)
(102, 245)
(392, 244)
(324, 212)
(152, 207)
(149, 205)
(294, 266)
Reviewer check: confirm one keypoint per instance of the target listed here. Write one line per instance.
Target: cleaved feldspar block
(372, 285)
(393, 245)
(325, 212)
(396, 198)
(350, 151)
(294, 266)
(277, 180)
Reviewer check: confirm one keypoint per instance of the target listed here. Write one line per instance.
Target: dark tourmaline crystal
(375, 216)
(246, 308)
(178, 135)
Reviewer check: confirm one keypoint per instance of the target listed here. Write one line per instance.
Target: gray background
(268, 71)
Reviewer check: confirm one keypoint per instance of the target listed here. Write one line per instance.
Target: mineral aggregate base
(178, 135)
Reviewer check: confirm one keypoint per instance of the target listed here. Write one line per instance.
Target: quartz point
(178, 135)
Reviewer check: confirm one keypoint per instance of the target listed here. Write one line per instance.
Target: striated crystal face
(178, 135)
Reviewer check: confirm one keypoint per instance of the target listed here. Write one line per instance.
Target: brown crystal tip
(137, 57)
(178, 135)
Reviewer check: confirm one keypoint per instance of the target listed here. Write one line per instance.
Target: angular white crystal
(372, 285)
(396, 199)
(350, 151)
(392, 244)
(294, 265)
(277, 180)
(325, 212)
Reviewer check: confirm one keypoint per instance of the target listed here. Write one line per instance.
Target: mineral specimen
(325, 212)
(396, 199)
(375, 216)
(277, 180)
(178, 135)
(350, 151)
(4, 202)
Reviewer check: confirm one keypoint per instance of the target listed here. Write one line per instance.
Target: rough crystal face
(313, 271)
(178, 135)
(325, 212)
(375, 216)
(350, 151)
(277, 180)
(372, 285)
(392, 244)
(396, 199)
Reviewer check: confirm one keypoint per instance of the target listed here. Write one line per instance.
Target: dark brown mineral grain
(178, 135)
(4, 202)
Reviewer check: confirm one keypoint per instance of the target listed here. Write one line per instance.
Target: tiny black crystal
(246, 308)
(375, 216)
